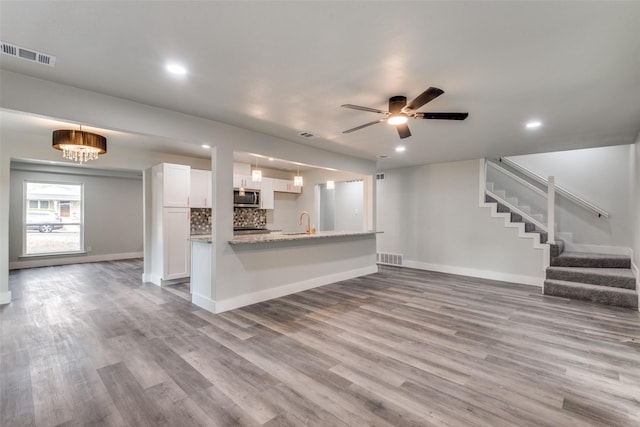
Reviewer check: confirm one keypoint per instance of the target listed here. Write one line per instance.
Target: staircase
(529, 227)
(599, 278)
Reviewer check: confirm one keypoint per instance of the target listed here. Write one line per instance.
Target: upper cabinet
(175, 184)
(200, 189)
(285, 186)
(244, 181)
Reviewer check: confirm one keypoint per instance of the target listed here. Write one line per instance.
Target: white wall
(308, 200)
(601, 177)
(349, 205)
(284, 216)
(430, 214)
(113, 213)
(635, 207)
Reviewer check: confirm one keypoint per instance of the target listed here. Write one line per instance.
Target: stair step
(612, 277)
(503, 209)
(599, 294)
(543, 236)
(557, 248)
(583, 259)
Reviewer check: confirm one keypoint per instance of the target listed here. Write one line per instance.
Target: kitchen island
(293, 236)
(247, 269)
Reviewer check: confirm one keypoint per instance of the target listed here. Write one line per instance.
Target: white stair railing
(560, 190)
(499, 174)
(551, 210)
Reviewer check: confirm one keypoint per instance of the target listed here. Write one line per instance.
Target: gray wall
(113, 209)
(349, 205)
(430, 214)
(635, 210)
(601, 176)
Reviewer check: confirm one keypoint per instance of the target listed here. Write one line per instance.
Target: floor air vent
(28, 54)
(389, 259)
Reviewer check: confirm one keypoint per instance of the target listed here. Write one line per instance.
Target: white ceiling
(282, 68)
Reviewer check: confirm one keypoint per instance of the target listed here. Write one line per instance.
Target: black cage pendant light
(78, 145)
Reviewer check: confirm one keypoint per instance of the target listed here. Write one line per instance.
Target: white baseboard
(472, 272)
(203, 302)
(291, 288)
(152, 278)
(64, 260)
(5, 297)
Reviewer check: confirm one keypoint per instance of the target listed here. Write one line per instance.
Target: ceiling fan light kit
(399, 112)
(397, 119)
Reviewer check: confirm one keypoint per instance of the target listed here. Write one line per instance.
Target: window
(53, 218)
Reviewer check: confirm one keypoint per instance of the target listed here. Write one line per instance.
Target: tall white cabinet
(170, 246)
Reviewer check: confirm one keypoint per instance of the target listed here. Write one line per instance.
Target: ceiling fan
(399, 112)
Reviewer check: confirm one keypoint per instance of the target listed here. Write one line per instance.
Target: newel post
(551, 211)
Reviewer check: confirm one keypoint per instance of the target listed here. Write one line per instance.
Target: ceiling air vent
(306, 135)
(27, 54)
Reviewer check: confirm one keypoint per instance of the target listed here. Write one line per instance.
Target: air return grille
(389, 259)
(27, 54)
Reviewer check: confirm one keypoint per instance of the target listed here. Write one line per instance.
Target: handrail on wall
(559, 190)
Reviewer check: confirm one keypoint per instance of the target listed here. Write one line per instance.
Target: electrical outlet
(88, 248)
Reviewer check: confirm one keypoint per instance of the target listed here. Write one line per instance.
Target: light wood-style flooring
(92, 345)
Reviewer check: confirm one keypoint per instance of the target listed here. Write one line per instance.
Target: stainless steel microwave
(246, 198)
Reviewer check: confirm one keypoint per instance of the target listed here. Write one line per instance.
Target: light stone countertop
(201, 238)
(292, 236)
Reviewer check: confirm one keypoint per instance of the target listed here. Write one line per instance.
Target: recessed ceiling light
(176, 69)
(533, 124)
(400, 149)
(205, 146)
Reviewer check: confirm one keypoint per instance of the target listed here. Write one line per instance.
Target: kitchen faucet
(303, 213)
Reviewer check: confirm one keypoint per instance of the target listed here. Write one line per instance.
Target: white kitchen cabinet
(176, 245)
(175, 181)
(285, 186)
(170, 222)
(200, 189)
(267, 200)
(244, 181)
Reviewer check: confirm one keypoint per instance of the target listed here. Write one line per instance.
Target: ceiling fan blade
(403, 131)
(426, 96)
(442, 116)
(363, 126)
(358, 107)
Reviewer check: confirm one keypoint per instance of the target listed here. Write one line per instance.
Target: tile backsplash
(249, 217)
(200, 221)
